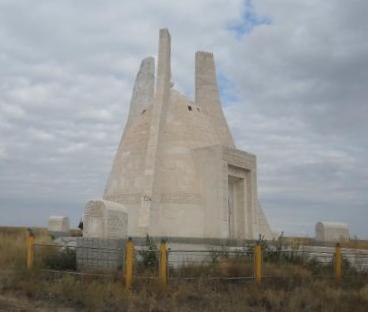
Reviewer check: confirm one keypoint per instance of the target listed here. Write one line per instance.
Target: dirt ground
(11, 303)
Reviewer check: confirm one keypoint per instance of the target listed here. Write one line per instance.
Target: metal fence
(128, 262)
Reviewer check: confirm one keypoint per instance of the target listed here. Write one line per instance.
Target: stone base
(98, 254)
(107, 255)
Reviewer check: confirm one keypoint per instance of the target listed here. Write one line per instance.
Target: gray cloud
(292, 73)
(303, 110)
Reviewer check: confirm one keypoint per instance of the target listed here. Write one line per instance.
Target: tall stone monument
(177, 171)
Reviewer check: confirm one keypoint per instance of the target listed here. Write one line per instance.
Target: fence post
(30, 249)
(163, 270)
(258, 263)
(338, 263)
(129, 263)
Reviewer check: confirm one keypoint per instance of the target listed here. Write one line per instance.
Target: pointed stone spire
(207, 95)
(150, 198)
(143, 90)
(163, 65)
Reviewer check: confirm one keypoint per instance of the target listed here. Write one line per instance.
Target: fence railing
(251, 258)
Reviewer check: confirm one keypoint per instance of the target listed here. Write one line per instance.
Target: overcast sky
(293, 78)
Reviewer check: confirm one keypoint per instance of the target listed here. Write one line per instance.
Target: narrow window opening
(189, 108)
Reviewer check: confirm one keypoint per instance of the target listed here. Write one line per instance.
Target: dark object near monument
(80, 225)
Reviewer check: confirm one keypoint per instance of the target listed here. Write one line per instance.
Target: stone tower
(177, 172)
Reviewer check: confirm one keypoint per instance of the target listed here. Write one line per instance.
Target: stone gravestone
(58, 225)
(332, 231)
(105, 219)
(105, 227)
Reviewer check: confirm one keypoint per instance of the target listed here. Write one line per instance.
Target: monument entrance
(236, 206)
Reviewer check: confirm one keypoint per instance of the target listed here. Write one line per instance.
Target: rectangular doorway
(236, 207)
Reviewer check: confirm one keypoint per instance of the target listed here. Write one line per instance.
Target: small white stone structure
(105, 219)
(177, 170)
(59, 224)
(332, 231)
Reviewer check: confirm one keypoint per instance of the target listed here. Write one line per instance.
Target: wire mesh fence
(109, 259)
(211, 264)
(146, 262)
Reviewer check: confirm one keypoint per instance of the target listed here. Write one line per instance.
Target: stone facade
(177, 170)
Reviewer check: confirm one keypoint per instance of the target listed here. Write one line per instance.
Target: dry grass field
(293, 287)
(353, 243)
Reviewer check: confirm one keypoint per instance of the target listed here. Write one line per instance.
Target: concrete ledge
(194, 240)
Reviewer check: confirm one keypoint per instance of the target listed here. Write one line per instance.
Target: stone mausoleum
(177, 171)
(327, 231)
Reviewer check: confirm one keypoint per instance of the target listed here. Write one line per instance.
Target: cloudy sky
(293, 78)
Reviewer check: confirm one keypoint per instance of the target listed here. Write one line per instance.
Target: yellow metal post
(30, 250)
(163, 270)
(258, 263)
(129, 263)
(338, 263)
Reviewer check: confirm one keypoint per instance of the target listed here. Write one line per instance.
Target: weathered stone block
(58, 224)
(105, 219)
(332, 231)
